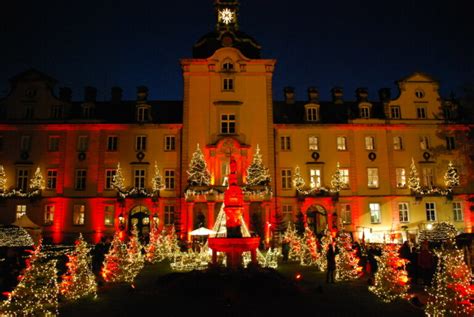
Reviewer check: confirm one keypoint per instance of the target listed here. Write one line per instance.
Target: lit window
(373, 177)
(403, 212)
(109, 213)
(313, 143)
(22, 180)
(170, 143)
(421, 112)
(139, 178)
(51, 179)
(20, 211)
(53, 143)
(346, 214)
(169, 179)
(78, 215)
(364, 112)
(112, 143)
(450, 143)
(375, 215)
(49, 214)
(228, 123)
(169, 215)
(370, 143)
(315, 178)
(395, 112)
(109, 178)
(140, 143)
(287, 211)
(82, 143)
(341, 143)
(312, 114)
(424, 143)
(80, 180)
(457, 211)
(285, 143)
(25, 143)
(286, 178)
(428, 177)
(397, 143)
(344, 177)
(401, 177)
(228, 84)
(430, 209)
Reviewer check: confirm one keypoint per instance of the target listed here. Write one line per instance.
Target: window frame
(395, 112)
(286, 179)
(169, 177)
(364, 112)
(22, 178)
(399, 177)
(341, 143)
(82, 143)
(312, 114)
(316, 178)
(141, 143)
(51, 179)
(403, 213)
(228, 123)
(345, 177)
(285, 143)
(78, 214)
(458, 214)
(169, 213)
(139, 178)
(112, 143)
(312, 144)
(421, 112)
(53, 146)
(450, 143)
(369, 143)
(80, 179)
(109, 214)
(346, 210)
(48, 214)
(109, 178)
(397, 143)
(170, 143)
(373, 178)
(20, 210)
(378, 215)
(228, 84)
(430, 211)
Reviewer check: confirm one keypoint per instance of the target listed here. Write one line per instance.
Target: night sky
(316, 43)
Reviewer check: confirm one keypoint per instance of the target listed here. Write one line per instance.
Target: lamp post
(121, 220)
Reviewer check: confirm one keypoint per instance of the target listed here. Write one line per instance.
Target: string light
(347, 267)
(257, 173)
(12, 236)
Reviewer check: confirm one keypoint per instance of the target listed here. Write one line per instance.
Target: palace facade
(333, 164)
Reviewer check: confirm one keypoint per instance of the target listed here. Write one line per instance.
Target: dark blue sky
(324, 44)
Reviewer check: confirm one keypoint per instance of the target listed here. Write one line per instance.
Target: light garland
(157, 181)
(3, 180)
(325, 241)
(113, 269)
(336, 184)
(295, 244)
(135, 257)
(441, 231)
(309, 251)
(451, 179)
(347, 267)
(12, 236)
(118, 183)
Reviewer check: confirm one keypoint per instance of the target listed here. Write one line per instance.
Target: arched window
(227, 65)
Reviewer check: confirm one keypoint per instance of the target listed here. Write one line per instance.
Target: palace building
(376, 168)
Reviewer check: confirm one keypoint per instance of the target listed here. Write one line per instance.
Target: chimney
(65, 94)
(362, 94)
(337, 95)
(313, 94)
(142, 94)
(289, 95)
(90, 94)
(384, 94)
(116, 94)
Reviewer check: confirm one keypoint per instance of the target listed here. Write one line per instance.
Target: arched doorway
(139, 216)
(317, 218)
(199, 215)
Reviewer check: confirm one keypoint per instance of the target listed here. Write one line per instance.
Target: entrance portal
(316, 218)
(139, 217)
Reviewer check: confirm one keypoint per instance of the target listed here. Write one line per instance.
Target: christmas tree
(78, 281)
(37, 182)
(154, 249)
(391, 278)
(298, 181)
(157, 181)
(136, 259)
(114, 268)
(347, 267)
(337, 182)
(309, 248)
(326, 239)
(257, 173)
(451, 177)
(3, 180)
(413, 178)
(37, 291)
(118, 181)
(291, 237)
(198, 174)
(450, 290)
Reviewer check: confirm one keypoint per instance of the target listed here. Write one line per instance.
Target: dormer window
(56, 112)
(143, 113)
(87, 111)
(364, 112)
(227, 66)
(312, 113)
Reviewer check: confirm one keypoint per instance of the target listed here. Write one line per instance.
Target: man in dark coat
(331, 267)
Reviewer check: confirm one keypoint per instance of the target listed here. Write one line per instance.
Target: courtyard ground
(264, 292)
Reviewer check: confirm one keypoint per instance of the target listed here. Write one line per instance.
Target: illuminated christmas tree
(298, 181)
(198, 174)
(337, 182)
(451, 177)
(118, 181)
(450, 290)
(78, 281)
(413, 178)
(157, 181)
(326, 239)
(291, 237)
(170, 244)
(136, 259)
(257, 173)
(391, 279)
(37, 291)
(37, 182)
(3, 180)
(347, 267)
(115, 263)
(309, 249)
(154, 249)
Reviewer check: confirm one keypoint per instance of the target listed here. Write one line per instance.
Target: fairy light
(347, 267)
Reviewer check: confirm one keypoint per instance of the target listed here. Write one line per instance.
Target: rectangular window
(397, 143)
(139, 178)
(143, 113)
(169, 215)
(285, 143)
(457, 211)
(109, 178)
(375, 215)
(112, 143)
(312, 114)
(78, 215)
(287, 211)
(428, 176)
(370, 143)
(53, 143)
(315, 177)
(403, 212)
(170, 143)
(364, 112)
(421, 112)
(29, 111)
(51, 179)
(401, 177)
(82, 143)
(341, 143)
(49, 214)
(169, 179)
(20, 211)
(80, 179)
(22, 179)
(56, 112)
(286, 178)
(346, 214)
(345, 177)
(109, 213)
(373, 177)
(140, 143)
(430, 209)
(424, 143)
(313, 143)
(25, 143)
(448, 113)
(450, 143)
(228, 123)
(395, 112)
(228, 84)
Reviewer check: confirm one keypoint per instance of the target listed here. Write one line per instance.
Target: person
(425, 263)
(285, 250)
(331, 266)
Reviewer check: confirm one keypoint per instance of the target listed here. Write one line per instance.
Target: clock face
(226, 15)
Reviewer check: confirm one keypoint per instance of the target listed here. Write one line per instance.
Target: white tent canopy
(26, 223)
(202, 232)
